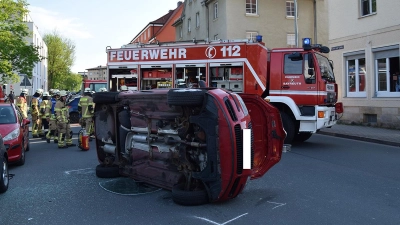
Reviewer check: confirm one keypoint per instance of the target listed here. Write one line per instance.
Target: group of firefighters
(50, 115)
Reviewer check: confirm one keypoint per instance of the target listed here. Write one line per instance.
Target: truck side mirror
(310, 71)
(310, 60)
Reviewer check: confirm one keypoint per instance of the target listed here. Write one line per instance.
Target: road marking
(213, 222)
(278, 204)
(246, 149)
(80, 171)
(35, 142)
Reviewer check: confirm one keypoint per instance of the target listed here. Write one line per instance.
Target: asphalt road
(327, 180)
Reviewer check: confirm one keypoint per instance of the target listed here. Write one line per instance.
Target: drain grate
(127, 186)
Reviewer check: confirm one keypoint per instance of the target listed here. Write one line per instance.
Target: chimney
(179, 3)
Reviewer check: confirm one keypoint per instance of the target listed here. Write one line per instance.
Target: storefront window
(356, 76)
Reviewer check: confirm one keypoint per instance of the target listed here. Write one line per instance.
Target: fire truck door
(299, 79)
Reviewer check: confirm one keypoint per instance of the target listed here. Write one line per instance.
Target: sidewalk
(364, 133)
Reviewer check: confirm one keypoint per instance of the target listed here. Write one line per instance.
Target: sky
(92, 25)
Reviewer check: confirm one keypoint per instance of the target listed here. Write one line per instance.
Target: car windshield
(7, 115)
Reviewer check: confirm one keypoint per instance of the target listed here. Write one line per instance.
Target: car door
(268, 134)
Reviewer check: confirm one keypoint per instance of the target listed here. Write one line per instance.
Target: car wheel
(189, 198)
(3, 175)
(22, 159)
(302, 136)
(74, 117)
(288, 124)
(186, 97)
(103, 171)
(28, 146)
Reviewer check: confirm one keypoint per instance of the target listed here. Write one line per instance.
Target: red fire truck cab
(94, 85)
(298, 81)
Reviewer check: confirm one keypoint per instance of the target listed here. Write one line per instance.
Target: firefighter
(44, 115)
(36, 125)
(86, 110)
(63, 126)
(22, 104)
(51, 118)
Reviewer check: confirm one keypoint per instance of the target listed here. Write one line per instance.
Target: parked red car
(15, 132)
(189, 141)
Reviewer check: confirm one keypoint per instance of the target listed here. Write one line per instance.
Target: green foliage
(61, 57)
(17, 55)
(73, 82)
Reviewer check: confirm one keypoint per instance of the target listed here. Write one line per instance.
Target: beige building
(364, 36)
(97, 73)
(245, 19)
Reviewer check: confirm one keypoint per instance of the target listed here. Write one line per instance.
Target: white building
(39, 73)
(364, 37)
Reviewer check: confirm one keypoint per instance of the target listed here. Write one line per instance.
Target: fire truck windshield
(325, 68)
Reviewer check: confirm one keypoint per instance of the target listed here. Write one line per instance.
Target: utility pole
(296, 29)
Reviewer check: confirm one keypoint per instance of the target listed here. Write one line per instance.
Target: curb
(366, 139)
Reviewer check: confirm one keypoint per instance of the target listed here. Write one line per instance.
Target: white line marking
(213, 222)
(69, 171)
(278, 204)
(34, 142)
(246, 149)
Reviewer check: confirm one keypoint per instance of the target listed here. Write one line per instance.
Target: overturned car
(189, 141)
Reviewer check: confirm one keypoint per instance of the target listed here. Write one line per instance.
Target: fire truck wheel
(288, 124)
(103, 171)
(189, 198)
(185, 97)
(302, 136)
(105, 97)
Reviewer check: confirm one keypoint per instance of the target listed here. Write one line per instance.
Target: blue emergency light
(306, 43)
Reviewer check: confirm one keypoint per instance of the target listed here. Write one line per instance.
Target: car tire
(288, 124)
(186, 97)
(28, 146)
(3, 174)
(103, 171)
(21, 161)
(74, 117)
(189, 198)
(302, 136)
(105, 97)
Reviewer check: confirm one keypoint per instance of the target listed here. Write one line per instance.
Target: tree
(61, 57)
(17, 55)
(73, 82)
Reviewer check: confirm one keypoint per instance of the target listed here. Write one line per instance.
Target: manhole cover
(127, 186)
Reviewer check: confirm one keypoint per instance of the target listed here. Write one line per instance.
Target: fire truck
(298, 81)
(94, 85)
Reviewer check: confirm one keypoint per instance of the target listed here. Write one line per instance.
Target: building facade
(364, 37)
(39, 73)
(245, 19)
(96, 73)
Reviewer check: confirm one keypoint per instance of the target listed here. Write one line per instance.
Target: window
(180, 32)
(290, 39)
(216, 10)
(290, 9)
(367, 7)
(251, 36)
(189, 22)
(387, 68)
(356, 74)
(216, 37)
(292, 67)
(197, 19)
(251, 6)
